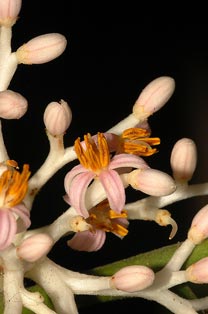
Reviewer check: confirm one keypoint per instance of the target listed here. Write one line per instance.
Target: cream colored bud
(57, 117)
(12, 105)
(35, 247)
(198, 272)
(199, 227)
(153, 97)
(41, 49)
(152, 182)
(183, 159)
(9, 10)
(133, 278)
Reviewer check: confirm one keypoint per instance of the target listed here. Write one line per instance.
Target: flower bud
(152, 182)
(183, 159)
(199, 227)
(41, 49)
(9, 10)
(153, 97)
(198, 272)
(34, 247)
(57, 117)
(133, 278)
(12, 105)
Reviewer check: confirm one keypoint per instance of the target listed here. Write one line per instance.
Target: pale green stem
(12, 282)
(8, 60)
(140, 208)
(3, 152)
(129, 122)
(47, 274)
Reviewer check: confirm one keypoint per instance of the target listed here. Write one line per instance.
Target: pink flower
(102, 219)
(96, 163)
(13, 187)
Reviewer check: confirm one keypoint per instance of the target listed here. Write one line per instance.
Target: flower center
(95, 156)
(13, 185)
(104, 218)
(137, 141)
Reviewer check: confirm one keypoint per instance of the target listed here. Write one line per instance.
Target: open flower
(96, 163)
(13, 187)
(102, 219)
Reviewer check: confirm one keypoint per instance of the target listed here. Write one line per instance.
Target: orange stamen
(137, 141)
(95, 156)
(102, 217)
(13, 186)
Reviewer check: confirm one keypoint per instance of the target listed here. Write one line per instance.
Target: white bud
(199, 226)
(198, 272)
(133, 278)
(57, 117)
(152, 182)
(35, 247)
(153, 97)
(183, 159)
(12, 105)
(9, 10)
(41, 49)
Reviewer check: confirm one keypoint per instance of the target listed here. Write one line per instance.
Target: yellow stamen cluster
(137, 141)
(95, 156)
(102, 217)
(13, 185)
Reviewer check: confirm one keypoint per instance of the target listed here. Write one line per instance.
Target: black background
(113, 51)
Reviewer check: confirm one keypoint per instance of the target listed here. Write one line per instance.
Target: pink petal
(8, 228)
(87, 241)
(128, 160)
(71, 174)
(78, 190)
(24, 214)
(66, 199)
(112, 140)
(114, 189)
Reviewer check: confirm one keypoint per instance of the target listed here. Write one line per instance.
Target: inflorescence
(95, 191)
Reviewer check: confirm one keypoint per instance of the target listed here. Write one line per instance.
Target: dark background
(113, 52)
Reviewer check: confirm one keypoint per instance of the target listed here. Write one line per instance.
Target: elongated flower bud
(133, 278)
(199, 227)
(183, 159)
(41, 49)
(153, 97)
(12, 105)
(152, 182)
(198, 272)
(57, 117)
(35, 247)
(9, 10)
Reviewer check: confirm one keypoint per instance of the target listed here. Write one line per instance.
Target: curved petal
(127, 160)
(78, 190)
(114, 189)
(23, 213)
(87, 241)
(8, 228)
(112, 140)
(71, 175)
